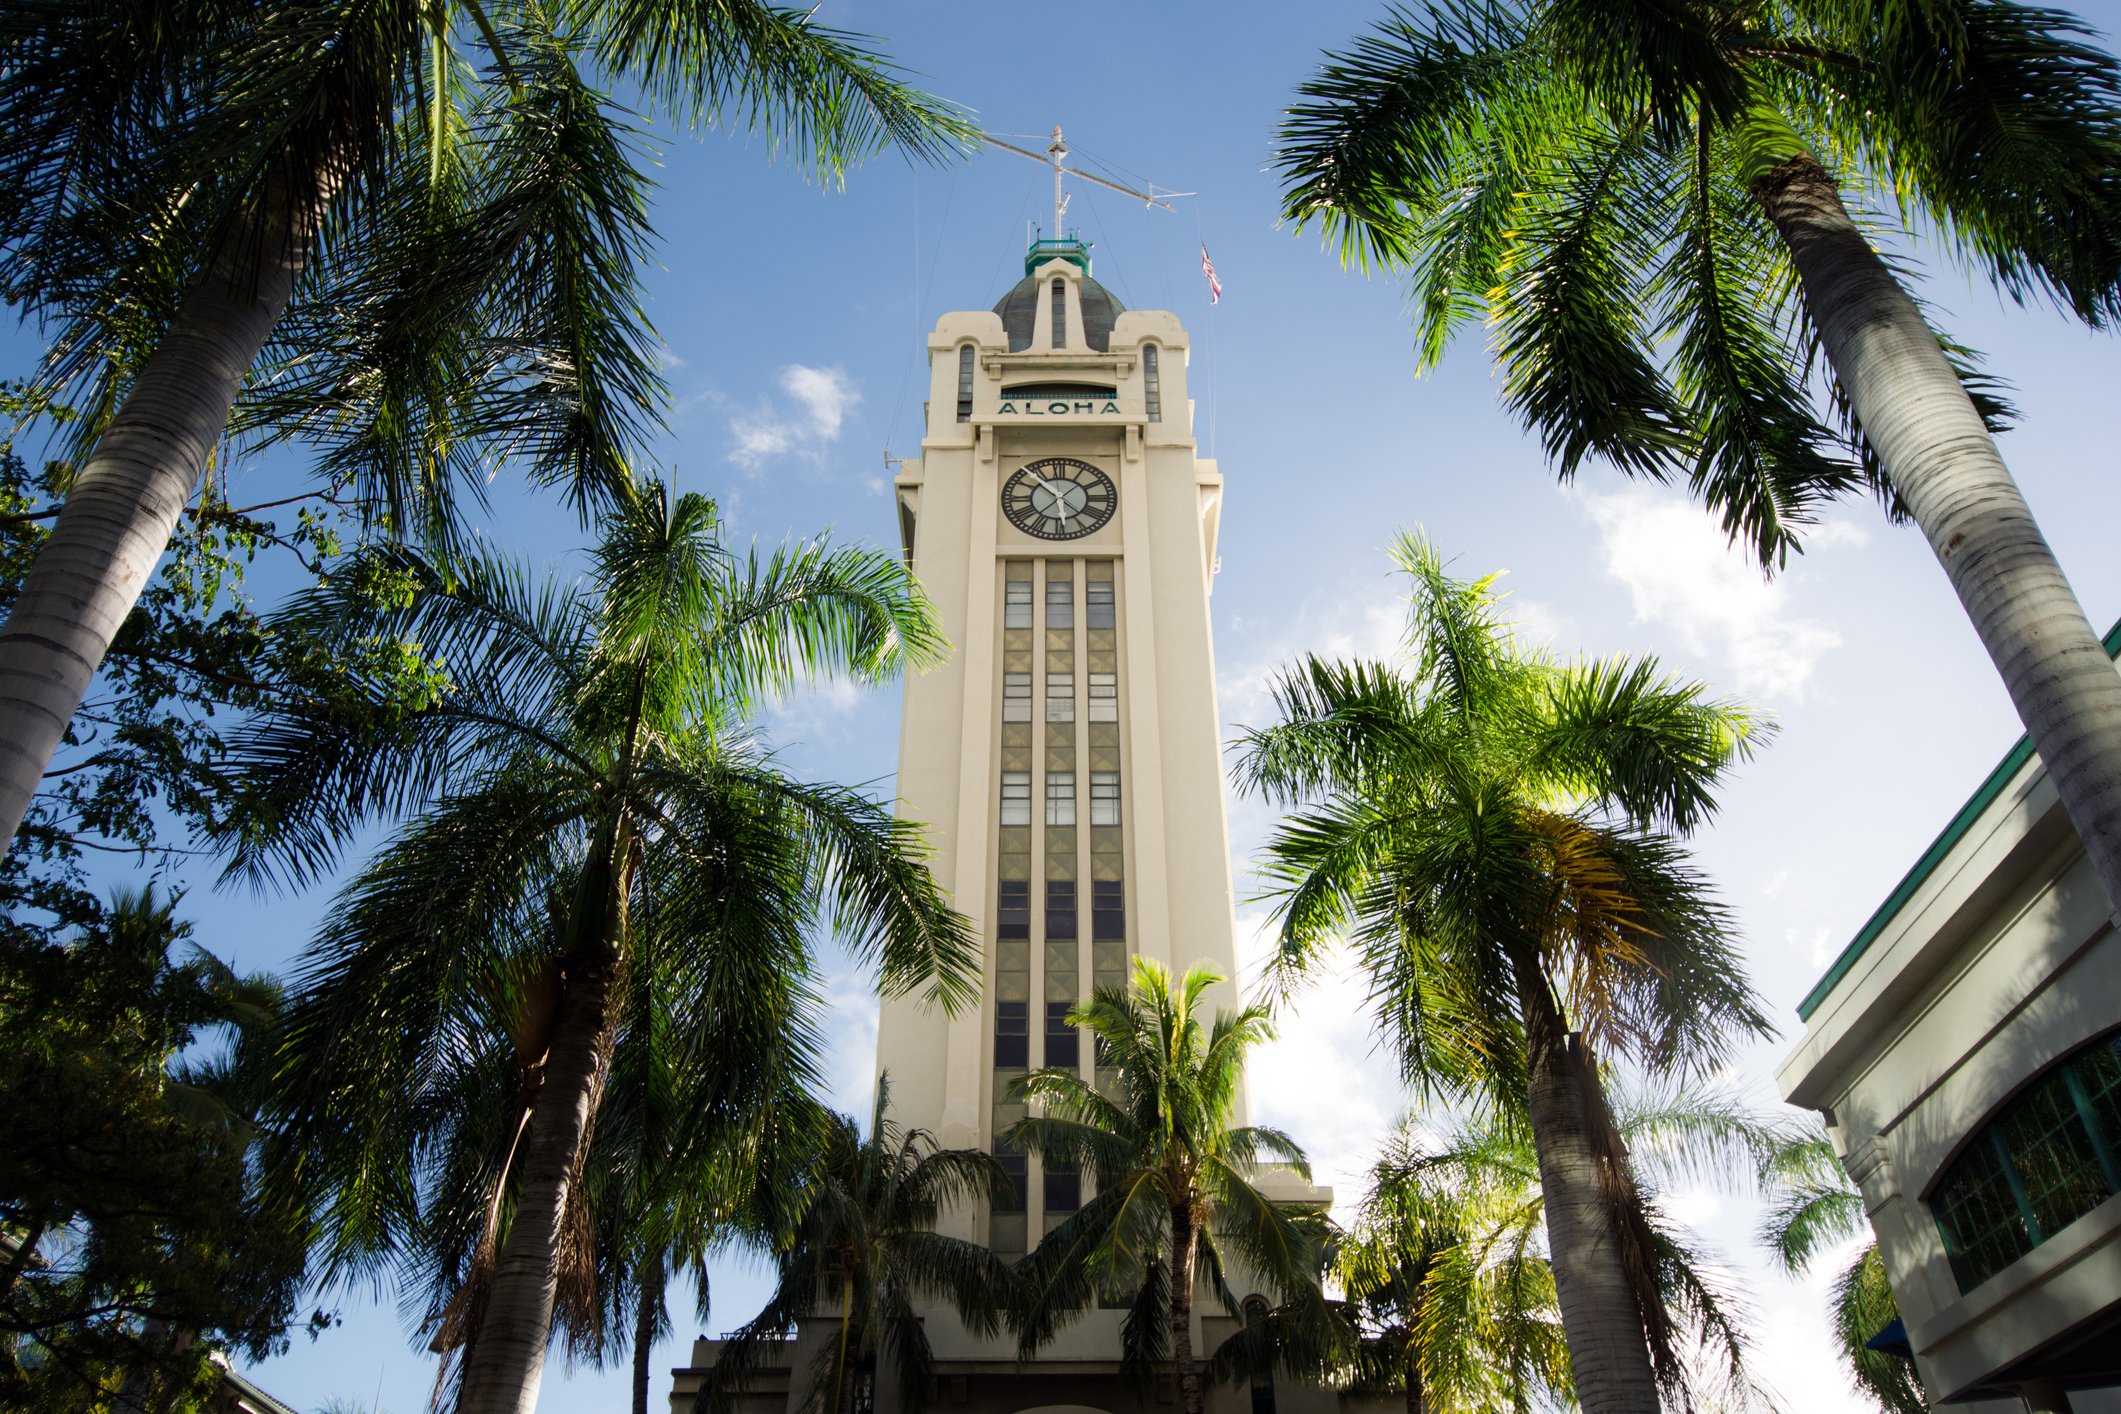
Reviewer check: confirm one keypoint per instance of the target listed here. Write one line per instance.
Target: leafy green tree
(1488, 828)
(407, 231)
(1175, 1199)
(1646, 205)
(136, 1241)
(583, 802)
(1816, 1208)
(864, 1248)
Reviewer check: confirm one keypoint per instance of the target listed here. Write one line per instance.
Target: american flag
(1215, 286)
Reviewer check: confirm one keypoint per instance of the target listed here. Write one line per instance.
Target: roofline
(1976, 805)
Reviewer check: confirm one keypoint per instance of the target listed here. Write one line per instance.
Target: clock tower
(1065, 762)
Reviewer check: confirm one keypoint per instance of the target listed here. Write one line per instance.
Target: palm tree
(1815, 1209)
(1443, 1277)
(864, 1248)
(582, 802)
(1175, 1197)
(1487, 826)
(1636, 197)
(423, 265)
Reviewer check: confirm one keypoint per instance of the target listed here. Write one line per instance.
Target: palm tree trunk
(1600, 1315)
(644, 1324)
(1941, 460)
(508, 1356)
(118, 517)
(1415, 1403)
(1185, 1242)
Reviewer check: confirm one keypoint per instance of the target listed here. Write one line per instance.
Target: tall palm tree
(409, 229)
(864, 1250)
(1487, 826)
(1646, 203)
(1815, 1209)
(582, 801)
(1175, 1197)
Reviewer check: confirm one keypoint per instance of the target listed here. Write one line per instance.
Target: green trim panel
(1931, 858)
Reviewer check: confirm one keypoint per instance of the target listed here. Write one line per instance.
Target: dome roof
(1019, 308)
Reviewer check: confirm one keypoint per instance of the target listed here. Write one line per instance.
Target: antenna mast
(1054, 157)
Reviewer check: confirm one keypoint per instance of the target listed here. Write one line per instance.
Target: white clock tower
(1066, 760)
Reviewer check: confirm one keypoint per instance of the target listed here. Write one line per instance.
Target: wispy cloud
(806, 416)
(1681, 573)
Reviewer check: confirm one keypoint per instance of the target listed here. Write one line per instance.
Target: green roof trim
(1982, 798)
(1072, 249)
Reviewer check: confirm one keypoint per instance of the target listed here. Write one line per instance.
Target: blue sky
(794, 320)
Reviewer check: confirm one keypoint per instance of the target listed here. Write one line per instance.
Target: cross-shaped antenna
(1056, 150)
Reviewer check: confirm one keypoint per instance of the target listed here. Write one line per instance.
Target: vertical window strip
(1060, 313)
(1097, 603)
(1152, 384)
(1108, 910)
(1063, 1042)
(1012, 1034)
(1104, 697)
(1013, 909)
(964, 383)
(1060, 697)
(1016, 604)
(1060, 910)
(1016, 697)
(1104, 797)
(1060, 603)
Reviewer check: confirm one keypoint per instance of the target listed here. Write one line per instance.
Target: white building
(1965, 1050)
(1066, 759)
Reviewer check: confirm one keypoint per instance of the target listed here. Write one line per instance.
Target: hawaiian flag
(1207, 268)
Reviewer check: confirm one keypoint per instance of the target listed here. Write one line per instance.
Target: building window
(1060, 697)
(1108, 909)
(1016, 697)
(1152, 384)
(1013, 915)
(1104, 697)
(1017, 1169)
(1063, 1042)
(1060, 313)
(2046, 1159)
(1255, 1309)
(1060, 908)
(1060, 603)
(964, 383)
(1012, 1034)
(1016, 604)
(1016, 797)
(1097, 605)
(1064, 1186)
(1060, 797)
(1104, 797)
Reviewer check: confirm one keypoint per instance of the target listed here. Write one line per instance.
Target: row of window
(1060, 798)
(1108, 910)
(1012, 1035)
(1063, 1185)
(1098, 605)
(1060, 697)
(1152, 382)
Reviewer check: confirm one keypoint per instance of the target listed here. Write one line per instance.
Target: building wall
(2000, 961)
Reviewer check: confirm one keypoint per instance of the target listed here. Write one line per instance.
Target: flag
(1215, 286)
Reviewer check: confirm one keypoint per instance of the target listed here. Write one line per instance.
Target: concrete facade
(1115, 690)
(1988, 979)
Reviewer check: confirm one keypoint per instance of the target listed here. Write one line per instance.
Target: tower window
(1060, 798)
(1060, 909)
(1016, 797)
(1060, 603)
(1255, 1309)
(1018, 1171)
(1012, 1034)
(1016, 697)
(1060, 313)
(1104, 696)
(1097, 607)
(1152, 385)
(1060, 697)
(1063, 1042)
(1108, 909)
(1013, 913)
(964, 383)
(1016, 604)
(1064, 1186)
(1104, 797)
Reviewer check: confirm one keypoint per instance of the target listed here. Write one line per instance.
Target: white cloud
(807, 418)
(1682, 573)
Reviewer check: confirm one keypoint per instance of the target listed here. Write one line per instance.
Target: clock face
(1059, 498)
